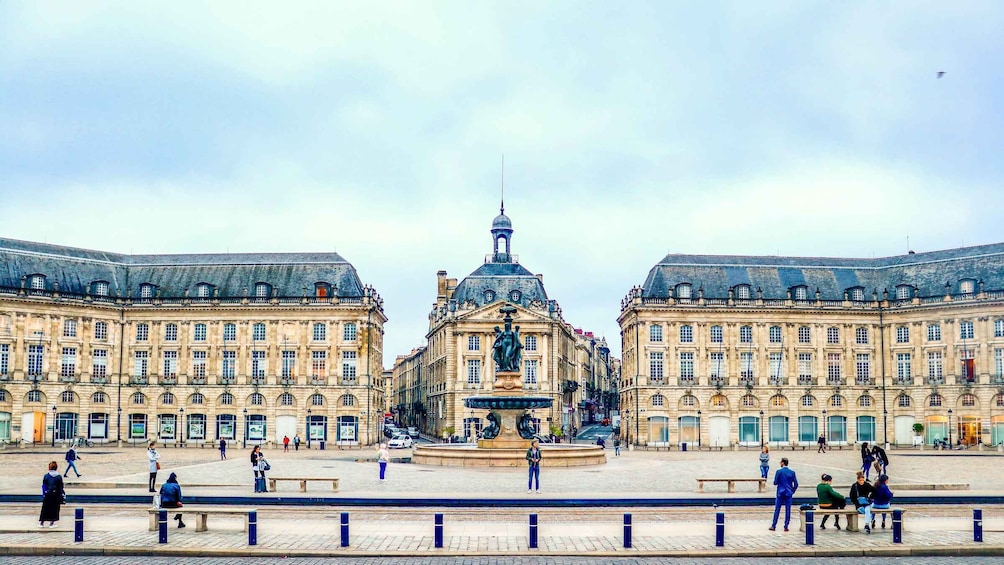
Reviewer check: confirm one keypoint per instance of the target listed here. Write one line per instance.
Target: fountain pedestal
(506, 384)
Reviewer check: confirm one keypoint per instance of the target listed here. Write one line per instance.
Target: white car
(400, 441)
(413, 431)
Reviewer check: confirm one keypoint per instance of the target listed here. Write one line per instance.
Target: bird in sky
(941, 74)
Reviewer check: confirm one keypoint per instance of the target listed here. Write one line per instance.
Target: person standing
(787, 484)
(764, 461)
(296, 442)
(821, 442)
(617, 447)
(153, 460)
(862, 493)
(866, 460)
(383, 457)
(285, 443)
(883, 497)
(52, 496)
(881, 459)
(533, 459)
(826, 497)
(170, 496)
(71, 461)
(255, 456)
(223, 449)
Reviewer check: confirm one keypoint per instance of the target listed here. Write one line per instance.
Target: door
(285, 426)
(33, 427)
(904, 430)
(718, 431)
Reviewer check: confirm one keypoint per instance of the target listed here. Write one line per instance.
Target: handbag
(158, 465)
(267, 467)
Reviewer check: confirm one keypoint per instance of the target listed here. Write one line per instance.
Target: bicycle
(82, 442)
(15, 443)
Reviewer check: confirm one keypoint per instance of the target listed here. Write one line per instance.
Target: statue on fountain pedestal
(507, 349)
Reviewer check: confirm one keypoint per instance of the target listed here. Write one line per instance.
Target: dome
(502, 222)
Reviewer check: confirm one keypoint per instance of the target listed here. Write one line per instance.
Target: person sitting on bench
(829, 498)
(170, 496)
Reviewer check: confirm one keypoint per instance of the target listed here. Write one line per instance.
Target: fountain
(505, 441)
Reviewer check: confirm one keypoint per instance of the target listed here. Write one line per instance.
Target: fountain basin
(470, 455)
(508, 402)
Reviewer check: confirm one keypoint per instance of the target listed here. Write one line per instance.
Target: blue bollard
(897, 526)
(439, 530)
(810, 533)
(627, 531)
(977, 524)
(252, 527)
(345, 529)
(162, 522)
(720, 529)
(533, 531)
(78, 525)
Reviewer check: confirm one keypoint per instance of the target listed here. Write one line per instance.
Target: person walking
(883, 497)
(170, 496)
(383, 457)
(787, 484)
(223, 449)
(881, 459)
(53, 496)
(285, 443)
(866, 459)
(533, 460)
(296, 442)
(826, 497)
(71, 461)
(617, 447)
(821, 442)
(153, 461)
(764, 461)
(862, 493)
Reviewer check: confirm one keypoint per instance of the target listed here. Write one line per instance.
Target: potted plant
(918, 434)
(448, 433)
(556, 432)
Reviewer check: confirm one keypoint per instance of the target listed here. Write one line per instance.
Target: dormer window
(967, 286)
(202, 290)
(489, 296)
(743, 292)
(683, 290)
(146, 290)
(903, 292)
(858, 294)
(321, 290)
(100, 288)
(515, 295)
(800, 293)
(262, 290)
(37, 282)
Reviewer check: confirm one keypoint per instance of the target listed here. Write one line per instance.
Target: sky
(376, 129)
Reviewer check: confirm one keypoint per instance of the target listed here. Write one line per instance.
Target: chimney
(440, 285)
(451, 285)
(540, 277)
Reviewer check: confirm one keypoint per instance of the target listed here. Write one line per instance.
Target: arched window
(100, 288)
(348, 400)
(778, 401)
(138, 398)
(286, 399)
(808, 401)
(836, 401)
(167, 398)
(658, 400)
(197, 398)
(317, 400)
(749, 401)
(903, 292)
(857, 294)
(34, 396)
(257, 399)
(967, 400)
(903, 401)
(935, 400)
(865, 401)
(226, 399)
(67, 396)
(688, 401)
(37, 282)
(718, 401)
(999, 400)
(4, 397)
(99, 398)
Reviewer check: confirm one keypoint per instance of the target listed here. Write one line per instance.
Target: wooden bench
(303, 482)
(762, 483)
(201, 515)
(853, 516)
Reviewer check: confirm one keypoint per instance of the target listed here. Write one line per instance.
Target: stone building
(432, 382)
(186, 348)
(726, 350)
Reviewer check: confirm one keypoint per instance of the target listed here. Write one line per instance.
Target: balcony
(348, 382)
(687, 381)
(5, 377)
(965, 380)
(718, 380)
(864, 381)
(68, 378)
(228, 380)
(318, 381)
(287, 381)
(99, 379)
(168, 380)
(657, 381)
(747, 380)
(139, 380)
(935, 380)
(997, 379)
(806, 380)
(256, 380)
(835, 381)
(907, 380)
(197, 380)
(35, 377)
(778, 381)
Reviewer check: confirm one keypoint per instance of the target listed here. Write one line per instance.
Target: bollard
(252, 527)
(897, 526)
(720, 529)
(627, 531)
(533, 531)
(810, 534)
(78, 525)
(977, 524)
(162, 522)
(439, 530)
(345, 529)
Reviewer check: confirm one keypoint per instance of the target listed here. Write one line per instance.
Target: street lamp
(180, 428)
(761, 429)
(950, 444)
(825, 426)
(308, 428)
(698, 429)
(245, 428)
(54, 425)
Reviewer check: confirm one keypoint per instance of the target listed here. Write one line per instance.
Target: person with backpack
(71, 461)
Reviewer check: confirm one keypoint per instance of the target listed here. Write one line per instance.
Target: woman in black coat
(52, 496)
(862, 495)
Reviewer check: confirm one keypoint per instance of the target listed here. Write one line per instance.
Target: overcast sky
(630, 130)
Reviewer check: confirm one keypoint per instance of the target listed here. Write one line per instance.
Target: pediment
(491, 313)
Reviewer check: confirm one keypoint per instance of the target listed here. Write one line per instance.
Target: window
(258, 332)
(142, 332)
(717, 358)
(999, 328)
(718, 401)
(658, 401)
(68, 368)
(833, 368)
(746, 368)
(473, 372)
(473, 343)
(4, 359)
(903, 370)
(140, 366)
(776, 368)
(66, 396)
(257, 399)
(285, 399)
(778, 401)
(489, 296)
(137, 426)
(687, 367)
(197, 398)
(807, 401)
(170, 363)
(934, 366)
(515, 295)
(999, 400)
(229, 332)
(866, 428)
(202, 290)
(716, 334)
(743, 292)
(261, 290)
(171, 332)
(530, 365)
(288, 364)
(349, 366)
(966, 286)
(749, 430)
(34, 396)
(863, 365)
(902, 334)
(967, 400)
(199, 364)
(966, 330)
(804, 334)
(686, 334)
(933, 332)
(99, 398)
(968, 361)
(865, 401)
(655, 333)
(774, 334)
(655, 373)
(777, 427)
(349, 331)
(999, 363)
(836, 401)
(101, 288)
(317, 400)
(530, 343)
(804, 368)
(229, 364)
(99, 365)
(902, 293)
(746, 334)
(138, 398)
(903, 401)
(70, 328)
(801, 293)
(100, 330)
(858, 294)
(35, 356)
(167, 398)
(321, 290)
(935, 400)
(348, 400)
(226, 399)
(37, 282)
(749, 401)
(688, 401)
(320, 331)
(146, 290)
(861, 336)
(200, 332)
(832, 335)
(318, 364)
(808, 429)
(683, 291)
(258, 364)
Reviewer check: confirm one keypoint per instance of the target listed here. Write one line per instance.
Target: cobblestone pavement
(73, 560)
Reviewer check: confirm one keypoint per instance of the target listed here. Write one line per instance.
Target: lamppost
(698, 429)
(180, 428)
(950, 444)
(245, 428)
(308, 428)
(761, 429)
(826, 436)
(54, 425)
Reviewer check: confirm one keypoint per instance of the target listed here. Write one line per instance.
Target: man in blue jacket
(787, 484)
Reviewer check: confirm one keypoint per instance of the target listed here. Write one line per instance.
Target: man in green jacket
(829, 498)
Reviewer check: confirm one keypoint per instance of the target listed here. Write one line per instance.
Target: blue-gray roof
(927, 272)
(501, 279)
(75, 270)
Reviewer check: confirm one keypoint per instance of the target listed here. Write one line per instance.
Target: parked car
(389, 430)
(400, 441)
(413, 432)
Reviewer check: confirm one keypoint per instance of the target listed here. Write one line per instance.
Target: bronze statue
(507, 349)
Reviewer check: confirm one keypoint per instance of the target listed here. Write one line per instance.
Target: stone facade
(720, 351)
(186, 348)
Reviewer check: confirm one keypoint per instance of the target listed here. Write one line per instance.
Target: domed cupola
(501, 230)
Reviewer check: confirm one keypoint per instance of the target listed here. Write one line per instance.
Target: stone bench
(762, 483)
(201, 515)
(303, 482)
(853, 516)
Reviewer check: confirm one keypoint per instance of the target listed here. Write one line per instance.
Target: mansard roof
(75, 270)
(497, 281)
(927, 272)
